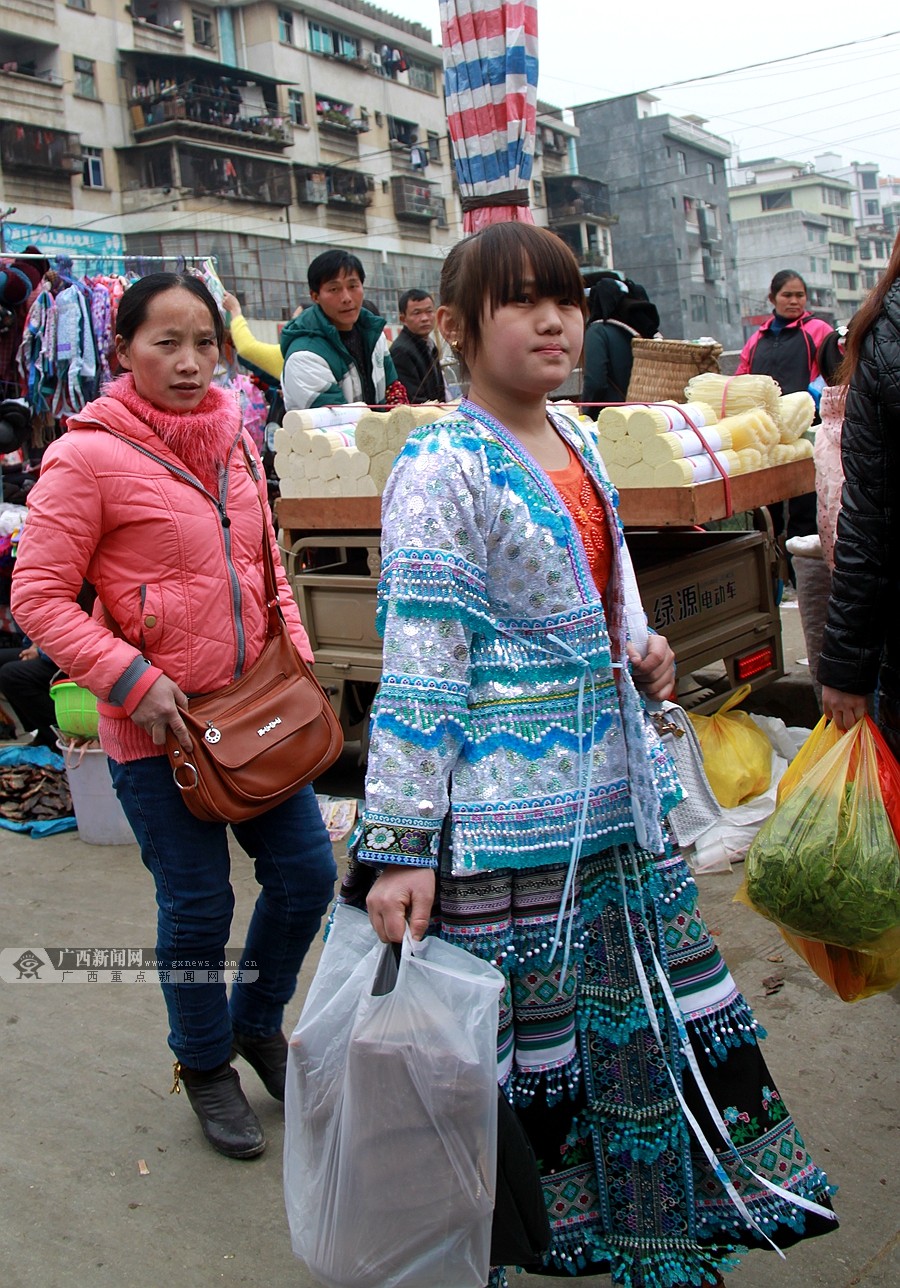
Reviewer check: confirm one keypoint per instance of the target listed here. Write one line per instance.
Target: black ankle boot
(268, 1056)
(228, 1122)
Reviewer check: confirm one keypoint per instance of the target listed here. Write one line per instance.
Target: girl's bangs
(535, 256)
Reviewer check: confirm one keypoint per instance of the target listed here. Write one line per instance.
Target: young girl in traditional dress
(510, 720)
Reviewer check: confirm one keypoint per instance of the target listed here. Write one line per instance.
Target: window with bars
(781, 200)
(405, 132)
(85, 77)
(328, 40)
(92, 168)
(285, 26)
(421, 76)
(296, 107)
(204, 28)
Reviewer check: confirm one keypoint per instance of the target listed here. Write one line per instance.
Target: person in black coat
(619, 311)
(415, 354)
(861, 646)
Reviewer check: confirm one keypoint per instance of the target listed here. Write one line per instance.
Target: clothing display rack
(125, 257)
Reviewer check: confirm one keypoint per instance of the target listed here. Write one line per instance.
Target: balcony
(27, 150)
(33, 100)
(334, 187)
(415, 200)
(574, 199)
(158, 26)
(172, 119)
(13, 12)
(230, 110)
(187, 171)
(708, 225)
(334, 122)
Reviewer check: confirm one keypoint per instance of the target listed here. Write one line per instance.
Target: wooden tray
(644, 507)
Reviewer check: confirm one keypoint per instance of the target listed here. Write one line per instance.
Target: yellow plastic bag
(737, 755)
(821, 740)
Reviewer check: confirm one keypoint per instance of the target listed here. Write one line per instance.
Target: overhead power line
(746, 67)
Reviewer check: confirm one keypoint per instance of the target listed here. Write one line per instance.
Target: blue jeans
(190, 863)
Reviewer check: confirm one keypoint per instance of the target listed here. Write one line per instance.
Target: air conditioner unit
(375, 60)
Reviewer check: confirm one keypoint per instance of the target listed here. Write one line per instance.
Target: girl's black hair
(829, 356)
(486, 271)
(133, 306)
(781, 279)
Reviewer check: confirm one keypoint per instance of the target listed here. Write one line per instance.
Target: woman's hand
(654, 673)
(232, 304)
(845, 709)
(158, 710)
(402, 893)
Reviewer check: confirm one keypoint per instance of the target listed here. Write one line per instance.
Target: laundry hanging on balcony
(490, 87)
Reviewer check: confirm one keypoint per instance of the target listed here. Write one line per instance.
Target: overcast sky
(847, 100)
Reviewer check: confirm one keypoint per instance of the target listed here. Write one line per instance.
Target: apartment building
(862, 177)
(889, 195)
(667, 185)
(259, 132)
(788, 215)
(256, 131)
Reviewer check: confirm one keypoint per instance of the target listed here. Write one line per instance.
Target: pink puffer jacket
(179, 575)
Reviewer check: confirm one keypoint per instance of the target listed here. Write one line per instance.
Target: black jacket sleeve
(863, 623)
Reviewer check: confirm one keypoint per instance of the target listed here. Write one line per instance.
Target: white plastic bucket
(100, 818)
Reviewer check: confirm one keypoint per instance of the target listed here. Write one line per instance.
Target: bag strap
(274, 617)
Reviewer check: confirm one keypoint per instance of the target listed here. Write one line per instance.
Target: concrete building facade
(889, 193)
(668, 190)
(259, 132)
(862, 176)
(764, 192)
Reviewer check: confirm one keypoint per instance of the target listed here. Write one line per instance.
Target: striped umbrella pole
(490, 86)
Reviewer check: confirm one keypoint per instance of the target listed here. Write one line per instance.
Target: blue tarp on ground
(49, 760)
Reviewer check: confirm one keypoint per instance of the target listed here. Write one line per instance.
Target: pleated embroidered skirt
(596, 1079)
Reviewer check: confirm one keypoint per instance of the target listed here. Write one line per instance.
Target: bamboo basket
(662, 368)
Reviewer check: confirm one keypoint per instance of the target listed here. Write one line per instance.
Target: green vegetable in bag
(826, 864)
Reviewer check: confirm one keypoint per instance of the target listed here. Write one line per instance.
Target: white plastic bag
(391, 1114)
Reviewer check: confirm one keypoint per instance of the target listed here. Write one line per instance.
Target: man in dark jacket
(415, 354)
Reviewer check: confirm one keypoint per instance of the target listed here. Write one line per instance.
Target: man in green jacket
(336, 352)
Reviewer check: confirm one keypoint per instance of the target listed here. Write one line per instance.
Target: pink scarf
(200, 438)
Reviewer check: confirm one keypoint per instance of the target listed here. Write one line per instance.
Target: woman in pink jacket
(152, 497)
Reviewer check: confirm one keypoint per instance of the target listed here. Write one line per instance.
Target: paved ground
(84, 1072)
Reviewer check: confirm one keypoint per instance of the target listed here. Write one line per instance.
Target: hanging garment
(101, 324)
(34, 360)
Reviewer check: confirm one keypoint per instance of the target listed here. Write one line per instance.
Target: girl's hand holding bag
(391, 1113)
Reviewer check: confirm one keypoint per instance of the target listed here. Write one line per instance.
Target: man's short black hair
(330, 264)
(412, 297)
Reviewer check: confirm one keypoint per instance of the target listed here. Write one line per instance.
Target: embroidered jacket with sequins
(502, 699)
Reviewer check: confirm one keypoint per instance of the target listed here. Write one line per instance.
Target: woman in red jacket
(785, 348)
(153, 496)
